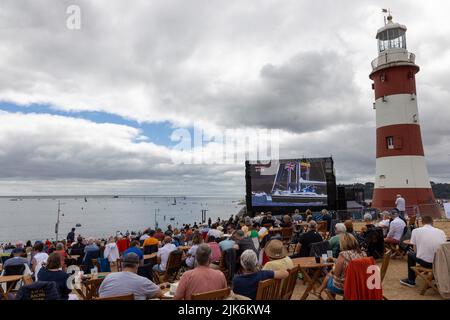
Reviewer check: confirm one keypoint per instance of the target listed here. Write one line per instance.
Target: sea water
(102, 216)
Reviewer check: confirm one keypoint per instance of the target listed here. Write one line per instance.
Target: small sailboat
(85, 199)
(172, 219)
(78, 225)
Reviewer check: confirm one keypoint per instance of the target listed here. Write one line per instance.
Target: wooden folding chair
(395, 250)
(428, 277)
(288, 284)
(91, 288)
(172, 268)
(119, 265)
(384, 267)
(123, 297)
(221, 294)
(268, 290)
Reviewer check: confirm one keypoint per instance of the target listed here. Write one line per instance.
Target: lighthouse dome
(392, 36)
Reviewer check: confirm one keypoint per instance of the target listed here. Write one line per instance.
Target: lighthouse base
(384, 199)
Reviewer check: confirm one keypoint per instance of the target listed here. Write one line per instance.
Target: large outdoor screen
(286, 183)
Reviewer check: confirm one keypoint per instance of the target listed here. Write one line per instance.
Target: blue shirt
(247, 284)
(134, 250)
(226, 244)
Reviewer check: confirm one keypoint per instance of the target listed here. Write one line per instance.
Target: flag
(289, 166)
(384, 10)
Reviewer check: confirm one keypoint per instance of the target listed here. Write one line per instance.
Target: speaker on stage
(341, 201)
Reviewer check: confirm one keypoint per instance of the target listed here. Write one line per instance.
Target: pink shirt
(199, 280)
(216, 254)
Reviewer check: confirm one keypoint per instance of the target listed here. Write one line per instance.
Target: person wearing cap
(305, 240)
(163, 253)
(278, 256)
(247, 283)
(128, 281)
(202, 278)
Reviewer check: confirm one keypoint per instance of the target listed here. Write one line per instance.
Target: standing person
(400, 205)
(327, 217)
(426, 241)
(123, 243)
(201, 279)
(71, 236)
(209, 222)
(111, 251)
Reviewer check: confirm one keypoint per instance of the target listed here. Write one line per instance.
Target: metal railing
(394, 56)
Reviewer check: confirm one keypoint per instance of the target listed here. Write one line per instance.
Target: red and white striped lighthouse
(400, 164)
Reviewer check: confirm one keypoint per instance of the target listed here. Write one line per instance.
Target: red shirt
(123, 244)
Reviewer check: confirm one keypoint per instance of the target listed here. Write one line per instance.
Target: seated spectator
(303, 247)
(52, 272)
(385, 222)
(202, 278)
(144, 236)
(215, 249)
(135, 247)
(326, 216)
(268, 220)
(334, 280)
(163, 255)
(190, 255)
(287, 222)
(247, 283)
(62, 253)
(426, 241)
(111, 251)
(39, 258)
(226, 244)
(215, 232)
(123, 243)
(151, 240)
(297, 217)
(277, 254)
(243, 243)
(396, 229)
(334, 241)
(309, 218)
(78, 246)
(18, 258)
(349, 227)
(159, 234)
(371, 238)
(127, 282)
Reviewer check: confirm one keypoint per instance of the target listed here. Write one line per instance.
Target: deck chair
(288, 284)
(172, 268)
(123, 297)
(268, 290)
(427, 276)
(221, 294)
(119, 265)
(14, 270)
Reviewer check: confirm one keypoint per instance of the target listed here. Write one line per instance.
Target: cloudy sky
(97, 109)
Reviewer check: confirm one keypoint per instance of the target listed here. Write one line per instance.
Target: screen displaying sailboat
(298, 182)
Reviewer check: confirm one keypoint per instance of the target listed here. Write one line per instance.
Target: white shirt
(400, 204)
(396, 229)
(164, 253)
(40, 258)
(384, 224)
(111, 252)
(215, 233)
(427, 240)
(143, 237)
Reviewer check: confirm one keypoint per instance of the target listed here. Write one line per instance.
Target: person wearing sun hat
(278, 256)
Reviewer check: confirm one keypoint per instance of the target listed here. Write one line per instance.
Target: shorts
(332, 288)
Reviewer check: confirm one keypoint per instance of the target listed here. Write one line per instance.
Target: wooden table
(6, 280)
(309, 263)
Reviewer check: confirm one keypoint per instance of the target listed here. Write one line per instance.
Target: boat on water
(78, 225)
(174, 201)
(172, 219)
(115, 197)
(13, 199)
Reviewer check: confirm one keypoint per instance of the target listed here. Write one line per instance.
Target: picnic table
(6, 280)
(306, 265)
(89, 285)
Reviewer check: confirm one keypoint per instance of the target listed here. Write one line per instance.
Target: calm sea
(35, 218)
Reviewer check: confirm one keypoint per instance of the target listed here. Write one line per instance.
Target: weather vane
(389, 16)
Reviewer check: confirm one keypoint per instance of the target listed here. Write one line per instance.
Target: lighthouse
(400, 159)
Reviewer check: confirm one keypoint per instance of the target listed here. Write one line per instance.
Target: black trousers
(412, 261)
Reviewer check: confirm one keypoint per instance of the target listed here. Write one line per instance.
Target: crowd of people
(259, 254)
